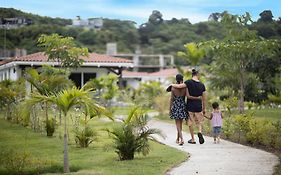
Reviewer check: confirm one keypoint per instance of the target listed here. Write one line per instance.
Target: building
(12, 23)
(94, 66)
(133, 79)
(92, 23)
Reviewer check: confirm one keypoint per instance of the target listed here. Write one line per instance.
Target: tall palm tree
(65, 101)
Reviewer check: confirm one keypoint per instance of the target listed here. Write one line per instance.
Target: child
(216, 118)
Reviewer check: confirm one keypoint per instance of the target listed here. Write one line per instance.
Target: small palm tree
(133, 134)
(192, 53)
(49, 81)
(65, 101)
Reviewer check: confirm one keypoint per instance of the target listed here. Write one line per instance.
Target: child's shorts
(217, 130)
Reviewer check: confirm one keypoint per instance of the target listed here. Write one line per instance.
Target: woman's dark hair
(194, 72)
(179, 78)
(215, 105)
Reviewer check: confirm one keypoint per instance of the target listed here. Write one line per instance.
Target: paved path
(226, 158)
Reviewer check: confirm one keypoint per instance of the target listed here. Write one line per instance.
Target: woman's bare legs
(179, 130)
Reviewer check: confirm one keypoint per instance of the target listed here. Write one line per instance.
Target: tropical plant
(132, 135)
(84, 136)
(50, 127)
(49, 81)
(12, 92)
(192, 53)
(65, 101)
(146, 92)
(105, 86)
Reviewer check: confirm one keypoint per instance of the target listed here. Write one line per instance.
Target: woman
(178, 108)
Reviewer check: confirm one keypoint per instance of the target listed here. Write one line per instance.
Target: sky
(140, 10)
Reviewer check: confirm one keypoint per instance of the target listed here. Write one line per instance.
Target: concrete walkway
(226, 158)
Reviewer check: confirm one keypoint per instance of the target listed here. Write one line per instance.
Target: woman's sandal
(181, 143)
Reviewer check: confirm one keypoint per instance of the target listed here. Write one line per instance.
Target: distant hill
(36, 19)
(153, 37)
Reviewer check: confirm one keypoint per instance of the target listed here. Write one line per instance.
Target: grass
(99, 158)
(268, 113)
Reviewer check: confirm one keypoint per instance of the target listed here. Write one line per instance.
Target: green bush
(228, 127)
(241, 124)
(50, 127)
(259, 132)
(132, 135)
(162, 104)
(84, 136)
(15, 161)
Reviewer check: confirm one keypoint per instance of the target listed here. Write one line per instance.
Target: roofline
(36, 63)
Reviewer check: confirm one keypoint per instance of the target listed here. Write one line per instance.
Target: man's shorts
(195, 117)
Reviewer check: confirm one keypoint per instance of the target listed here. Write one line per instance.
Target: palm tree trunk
(65, 157)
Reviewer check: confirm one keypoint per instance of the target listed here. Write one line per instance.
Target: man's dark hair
(215, 105)
(194, 72)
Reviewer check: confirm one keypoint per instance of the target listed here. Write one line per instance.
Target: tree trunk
(242, 92)
(46, 113)
(65, 157)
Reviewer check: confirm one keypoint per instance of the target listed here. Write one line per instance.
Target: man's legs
(190, 126)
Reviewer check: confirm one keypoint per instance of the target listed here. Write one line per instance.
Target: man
(195, 106)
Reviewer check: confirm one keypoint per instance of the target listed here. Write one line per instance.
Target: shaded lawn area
(268, 113)
(100, 158)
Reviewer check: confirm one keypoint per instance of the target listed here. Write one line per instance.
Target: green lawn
(269, 113)
(99, 158)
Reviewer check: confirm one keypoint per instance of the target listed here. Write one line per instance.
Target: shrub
(162, 104)
(259, 131)
(50, 127)
(228, 127)
(84, 136)
(15, 161)
(132, 135)
(242, 124)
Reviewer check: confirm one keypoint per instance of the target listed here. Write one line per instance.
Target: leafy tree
(155, 17)
(132, 135)
(146, 92)
(12, 92)
(62, 49)
(235, 53)
(105, 86)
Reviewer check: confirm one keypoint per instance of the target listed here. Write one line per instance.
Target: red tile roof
(93, 58)
(4, 62)
(134, 74)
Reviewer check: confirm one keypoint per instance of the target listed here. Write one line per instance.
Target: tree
(266, 16)
(235, 53)
(65, 101)
(156, 17)
(62, 49)
(105, 86)
(49, 81)
(192, 53)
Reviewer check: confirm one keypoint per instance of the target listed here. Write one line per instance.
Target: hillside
(155, 36)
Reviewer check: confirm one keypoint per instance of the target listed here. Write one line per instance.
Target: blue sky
(139, 10)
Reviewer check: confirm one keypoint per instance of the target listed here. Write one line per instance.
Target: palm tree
(49, 81)
(133, 134)
(192, 53)
(65, 101)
